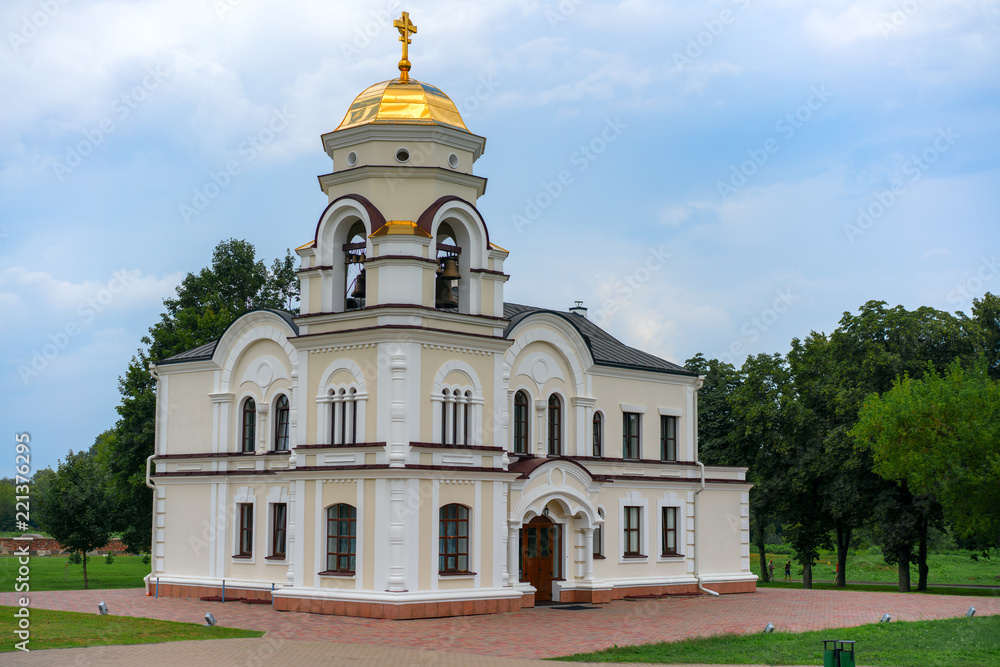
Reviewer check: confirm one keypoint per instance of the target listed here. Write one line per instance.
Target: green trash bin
(830, 653)
(845, 652)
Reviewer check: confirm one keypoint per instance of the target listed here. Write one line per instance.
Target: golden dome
(402, 102)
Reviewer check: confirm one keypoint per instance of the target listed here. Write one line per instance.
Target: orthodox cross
(405, 30)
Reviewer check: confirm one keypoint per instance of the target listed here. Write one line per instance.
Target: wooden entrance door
(537, 550)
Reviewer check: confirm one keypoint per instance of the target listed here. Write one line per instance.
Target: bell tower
(401, 228)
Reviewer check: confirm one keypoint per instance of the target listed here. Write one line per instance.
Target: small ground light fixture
(102, 608)
(209, 619)
(885, 618)
(971, 612)
(769, 628)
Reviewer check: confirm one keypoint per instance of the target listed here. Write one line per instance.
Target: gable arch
(336, 221)
(341, 365)
(531, 333)
(246, 330)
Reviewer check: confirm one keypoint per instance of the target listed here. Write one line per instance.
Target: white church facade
(410, 445)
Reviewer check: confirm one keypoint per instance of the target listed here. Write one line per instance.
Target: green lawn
(68, 629)
(957, 569)
(55, 573)
(954, 642)
(880, 588)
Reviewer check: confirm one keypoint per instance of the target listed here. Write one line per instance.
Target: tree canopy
(206, 303)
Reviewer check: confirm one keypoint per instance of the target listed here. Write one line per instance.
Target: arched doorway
(541, 555)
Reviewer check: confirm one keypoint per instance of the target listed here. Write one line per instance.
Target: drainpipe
(701, 466)
(149, 459)
(156, 377)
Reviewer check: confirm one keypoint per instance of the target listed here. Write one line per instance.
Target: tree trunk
(764, 575)
(922, 557)
(807, 574)
(85, 583)
(903, 557)
(843, 543)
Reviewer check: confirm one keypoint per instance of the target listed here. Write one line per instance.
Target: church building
(411, 445)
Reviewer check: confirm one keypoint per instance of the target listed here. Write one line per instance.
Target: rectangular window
(246, 530)
(633, 535)
(278, 520)
(341, 539)
(598, 542)
(668, 438)
(453, 539)
(631, 424)
(669, 531)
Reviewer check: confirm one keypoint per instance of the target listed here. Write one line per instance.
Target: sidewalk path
(532, 633)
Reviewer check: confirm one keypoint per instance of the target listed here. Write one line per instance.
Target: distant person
(788, 570)
(770, 569)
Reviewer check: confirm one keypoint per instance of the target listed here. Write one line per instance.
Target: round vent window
(402, 155)
(352, 159)
(453, 161)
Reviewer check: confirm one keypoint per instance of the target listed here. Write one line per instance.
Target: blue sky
(733, 173)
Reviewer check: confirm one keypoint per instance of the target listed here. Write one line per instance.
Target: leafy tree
(986, 316)
(76, 505)
(941, 436)
(206, 304)
(7, 502)
(715, 420)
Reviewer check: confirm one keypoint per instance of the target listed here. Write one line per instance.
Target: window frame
(598, 551)
(282, 423)
(279, 529)
(628, 528)
(665, 530)
(526, 421)
(631, 439)
(244, 533)
(445, 555)
(555, 425)
(248, 426)
(666, 441)
(597, 435)
(351, 521)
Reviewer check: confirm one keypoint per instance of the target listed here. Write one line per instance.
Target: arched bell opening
(446, 292)
(354, 267)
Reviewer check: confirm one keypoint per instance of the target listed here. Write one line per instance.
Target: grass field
(55, 573)
(68, 629)
(954, 642)
(956, 570)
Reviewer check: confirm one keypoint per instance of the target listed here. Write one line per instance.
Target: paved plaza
(513, 639)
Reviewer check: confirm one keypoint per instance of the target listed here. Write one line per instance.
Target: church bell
(359, 286)
(445, 294)
(450, 269)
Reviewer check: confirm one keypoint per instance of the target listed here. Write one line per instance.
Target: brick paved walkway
(541, 632)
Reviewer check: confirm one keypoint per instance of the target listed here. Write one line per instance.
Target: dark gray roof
(604, 348)
(205, 352)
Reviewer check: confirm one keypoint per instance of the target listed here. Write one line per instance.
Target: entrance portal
(540, 556)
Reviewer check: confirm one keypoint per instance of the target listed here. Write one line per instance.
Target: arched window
(521, 423)
(341, 538)
(466, 413)
(344, 417)
(249, 426)
(599, 536)
(598, 437)
(444, 418)
(281, 417)
(453, 538)
(555, 426)
(354, 267)
(445, 291)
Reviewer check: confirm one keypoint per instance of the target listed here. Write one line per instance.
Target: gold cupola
(402, 101)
